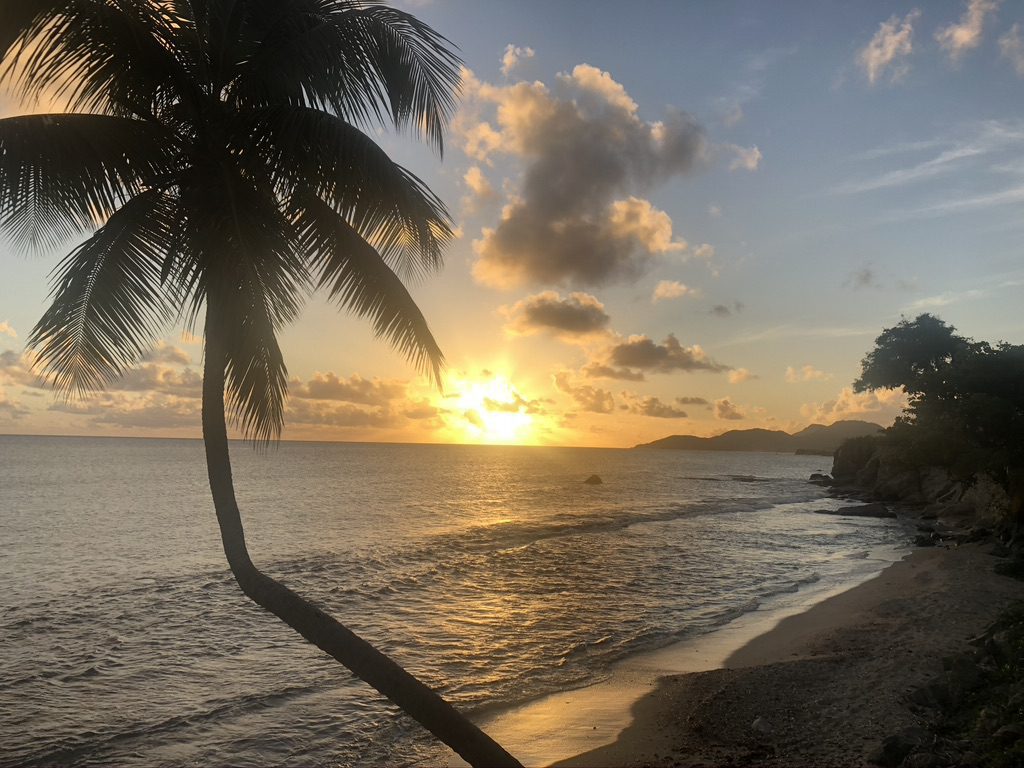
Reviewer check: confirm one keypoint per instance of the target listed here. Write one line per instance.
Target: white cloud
(881, 405)
(704, 251)
(513, 55)
(714, 210)
(7, 330)
(670, 289)
(1011, 46)
(957, 39)
(892, 43)
(805, 373)
(746, 158)
(740, 375)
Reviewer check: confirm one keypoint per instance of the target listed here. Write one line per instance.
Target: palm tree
(213, 151)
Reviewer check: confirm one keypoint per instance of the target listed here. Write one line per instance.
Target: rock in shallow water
(861, 510)
(593, 480)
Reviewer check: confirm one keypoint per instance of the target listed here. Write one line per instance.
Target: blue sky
(794, 177)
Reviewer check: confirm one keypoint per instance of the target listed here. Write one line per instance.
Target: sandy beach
(823, 687)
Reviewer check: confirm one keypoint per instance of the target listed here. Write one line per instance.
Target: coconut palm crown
(213, 152)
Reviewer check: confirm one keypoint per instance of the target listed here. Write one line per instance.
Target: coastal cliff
(874, 468)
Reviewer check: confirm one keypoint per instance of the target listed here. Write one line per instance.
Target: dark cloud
(518, 404)
(578, 314)
(335, 414)
(692, 401)
(723, 310)
(574, 221)
(863, 278)
(152, 377)
(643, 353)
(725, 409)
(653, 406)
(354, 389)
(588, 398)
(601, 371)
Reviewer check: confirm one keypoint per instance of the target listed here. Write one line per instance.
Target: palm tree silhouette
(212, 149)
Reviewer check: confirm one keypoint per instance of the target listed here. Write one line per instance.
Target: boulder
(819, 479)
(936, 484)
(861, 510)
(895, 748)
(593, 480)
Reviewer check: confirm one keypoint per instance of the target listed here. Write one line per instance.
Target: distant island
(815, 439)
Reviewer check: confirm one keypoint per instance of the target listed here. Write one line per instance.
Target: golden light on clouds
(491, 411)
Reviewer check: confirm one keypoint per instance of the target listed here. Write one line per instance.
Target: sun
(493, 411)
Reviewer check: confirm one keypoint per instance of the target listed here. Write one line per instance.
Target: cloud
(879, 405)
(335, 414)
(652, 406)
(1011, 47)
(7, 330)
(167, 353)
(705, 251)
(480, 190)
(805, 373)
(721, 310)
(153, 377)
(354, 389)
(892, 43)
(929, 303)
(153, 410)
(864, 277)
(588, 398)
(715, 211)
(576, 218)
(726, 409)
(10, 409)
(577, 315)
(643, 353)
(513, 55)
(602, 371)
(957, 39)
(670, 289)
(745, 158)
(741, 375)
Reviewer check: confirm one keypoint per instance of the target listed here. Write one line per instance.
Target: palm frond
(414, 65)
(309, 150)
(108, 305)
(359, 61)
(256, 376)
(97, 56)
(64, 174)
(357, 277)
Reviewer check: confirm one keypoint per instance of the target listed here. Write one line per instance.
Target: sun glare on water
(493, 412)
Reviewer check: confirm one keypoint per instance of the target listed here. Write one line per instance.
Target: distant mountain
(816, 438)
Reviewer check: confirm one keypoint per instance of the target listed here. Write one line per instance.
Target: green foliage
(966, 409)
(217, 160)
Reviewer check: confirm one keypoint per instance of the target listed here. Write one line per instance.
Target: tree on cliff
(212, 149)
(966, 397)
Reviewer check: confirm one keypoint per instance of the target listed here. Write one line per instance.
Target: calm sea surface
(496, 574)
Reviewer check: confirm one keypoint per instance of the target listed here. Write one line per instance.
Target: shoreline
(558, 727)
(826, 685)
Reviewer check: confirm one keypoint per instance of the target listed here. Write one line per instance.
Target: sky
(672, 218)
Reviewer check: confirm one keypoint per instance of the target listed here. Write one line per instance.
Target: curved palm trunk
(365, 661)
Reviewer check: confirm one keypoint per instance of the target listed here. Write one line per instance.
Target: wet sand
(825, 686)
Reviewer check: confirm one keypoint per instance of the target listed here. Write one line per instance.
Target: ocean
(494, 573)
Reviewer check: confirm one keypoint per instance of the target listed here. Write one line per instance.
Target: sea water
(493, 573)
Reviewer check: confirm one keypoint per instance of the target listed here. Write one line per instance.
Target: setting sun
(492, 411)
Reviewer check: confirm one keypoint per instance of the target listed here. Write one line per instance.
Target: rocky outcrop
(868, 468)
(594, 480)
